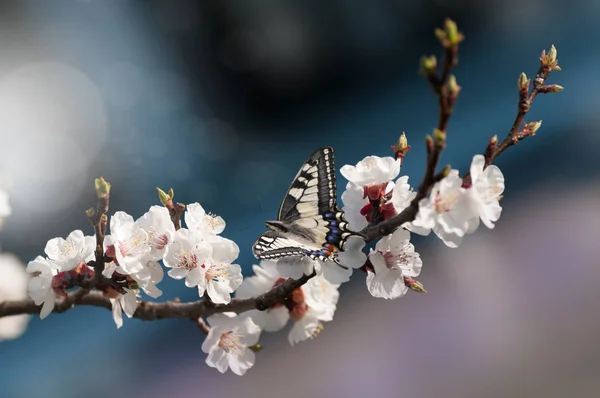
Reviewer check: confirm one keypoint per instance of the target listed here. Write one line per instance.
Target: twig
(548, 63)
(99, 219)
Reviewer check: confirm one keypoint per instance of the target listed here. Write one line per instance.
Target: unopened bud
(428, 65)
(439, 136)
(171, 193)
(91, 212)
(551, 88)
(523, 82)
(164, 198)
(494, 140)
(255, 347)
(102, 187)
(449, 36)
(534, 126)
(552, 54)
(429, 142)
(453, 88)
(401, 147)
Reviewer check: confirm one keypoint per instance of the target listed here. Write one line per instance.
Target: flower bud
(523, 82)
(414, 285)
(428, 65)
(91, 212)
(164, 198)
(439, 136)
(255, 348)
(102, 187)
(453, 88)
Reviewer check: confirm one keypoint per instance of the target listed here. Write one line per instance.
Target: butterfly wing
(312, 192)
(309, 221)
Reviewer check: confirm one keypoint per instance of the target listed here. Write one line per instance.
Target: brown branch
(548, 63)
(150, 311)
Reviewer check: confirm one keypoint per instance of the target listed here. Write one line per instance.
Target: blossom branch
(150, 311)
(446, 90)
(175, 210)
(548, 63)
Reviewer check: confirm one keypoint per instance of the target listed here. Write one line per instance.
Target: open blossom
(394, 258)
(187, 255)
(228, 342)
(486, 187)
(372, 170)
(446, 211)
(159, 229)
(41, 288)
(220, 277)
(126, 303)
(13, 286)
(129, 240)
(198, 219)
(308, 307)
(68, 253)
(352, 257)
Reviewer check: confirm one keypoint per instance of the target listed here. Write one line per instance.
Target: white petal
(129, 303)
(212, 340)
(116, 312)
(218, 292)
(240, 364)
(294, 267)
(336, 274)
(193, 277)
(218, 358)
(178, 273)
(48, 305)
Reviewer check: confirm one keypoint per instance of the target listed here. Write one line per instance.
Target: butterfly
(309, 222)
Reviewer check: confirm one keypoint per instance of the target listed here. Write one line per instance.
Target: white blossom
(197, 219)
(130, 242)
(126, 303)
(159, 229)
(394, 258)
(186, 255)
(228, 342)
(68, 253)
(40, 285)
(220, 277)
(309, 306)
(447, 211)
(486, 187)
(372, 170)
(13, 286)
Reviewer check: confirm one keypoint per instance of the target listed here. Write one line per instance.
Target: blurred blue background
(223, 100)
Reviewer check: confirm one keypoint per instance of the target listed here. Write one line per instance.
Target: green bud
(439, 136)
(428, 65)
(523, 83)
(255, 348)
(102, 187)
(453, 88)
(163, 196)
(171, 193)
(91, 212)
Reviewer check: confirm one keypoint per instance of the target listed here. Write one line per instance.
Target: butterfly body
(309, 222)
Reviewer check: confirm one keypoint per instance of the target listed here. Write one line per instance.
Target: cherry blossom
(372, 170)
(41, 288)
(228, 341)
(308, 306)
(394, 258)
(221, 278)
(487, 186)
(446, 211)
(197, 219)
(68, 253)
(186, 255)
(13, 286)
(130, 242)
(159, 229)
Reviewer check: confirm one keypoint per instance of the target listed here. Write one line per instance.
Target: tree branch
(150, 311)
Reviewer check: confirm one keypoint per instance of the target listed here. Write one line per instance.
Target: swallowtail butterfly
(309, 222)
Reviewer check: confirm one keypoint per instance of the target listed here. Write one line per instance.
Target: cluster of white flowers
(136, 247)
(203, 259)
(452, 210)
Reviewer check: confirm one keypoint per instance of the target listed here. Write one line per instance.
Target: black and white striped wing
(271, 245)
(312, 192)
